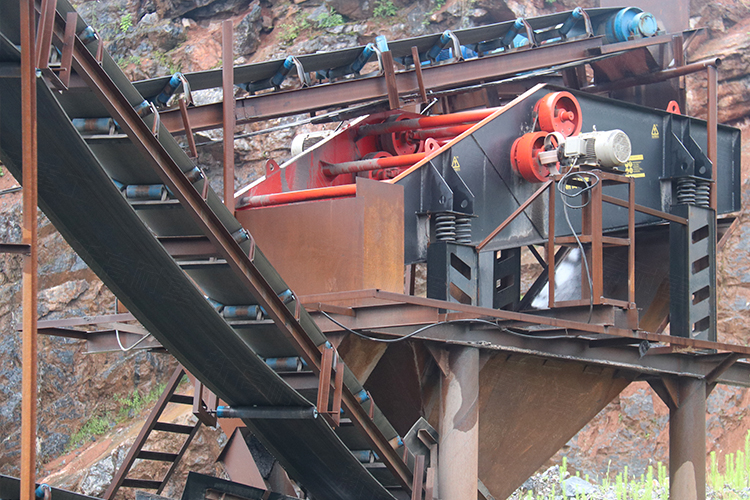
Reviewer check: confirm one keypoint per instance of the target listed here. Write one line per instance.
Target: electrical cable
(562, 186)
(440, 323)
(126, 349)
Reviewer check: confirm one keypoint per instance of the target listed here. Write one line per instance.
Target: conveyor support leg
(459, 426)
(687, 442)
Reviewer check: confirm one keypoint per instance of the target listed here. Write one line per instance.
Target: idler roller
(524, 157)
(559, 112)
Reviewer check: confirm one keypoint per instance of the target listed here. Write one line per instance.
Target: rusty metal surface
(334, 245)
(460, 454)
(239, 462)
(529, 408)
(687, 441)
(228, 116)
(30, 260)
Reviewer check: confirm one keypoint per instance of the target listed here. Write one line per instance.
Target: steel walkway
(80, 184)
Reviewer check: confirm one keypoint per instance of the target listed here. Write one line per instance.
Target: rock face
(247, 32)
(199, 9)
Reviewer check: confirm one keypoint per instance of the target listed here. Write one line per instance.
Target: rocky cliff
(157, 37)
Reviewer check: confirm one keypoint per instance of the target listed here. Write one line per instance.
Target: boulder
(353, 9)
(247, 32)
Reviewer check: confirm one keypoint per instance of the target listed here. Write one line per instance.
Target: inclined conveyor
(79, 193)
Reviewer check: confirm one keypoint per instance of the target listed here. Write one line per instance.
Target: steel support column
(713, 120)
(459, 426)
(228, 110)
(29, 233)
(687, 442)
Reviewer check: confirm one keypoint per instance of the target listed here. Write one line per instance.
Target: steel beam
(687, 442)
(459, 425)
(305, 100)
(624, 357)
(29, 234)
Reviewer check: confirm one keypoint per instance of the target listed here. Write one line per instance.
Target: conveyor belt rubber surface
(78, 195)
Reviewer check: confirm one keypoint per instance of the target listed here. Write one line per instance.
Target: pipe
(268, 412)
(656, 77)
(436, 133)
(426, 122)
(264, 200)
(350, 167)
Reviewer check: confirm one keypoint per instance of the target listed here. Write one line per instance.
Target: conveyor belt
(399, 48)
(78, 195)
(10, 489)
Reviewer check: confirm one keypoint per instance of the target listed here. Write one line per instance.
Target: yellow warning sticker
(633, 166)
(456, 166)
(654, 132)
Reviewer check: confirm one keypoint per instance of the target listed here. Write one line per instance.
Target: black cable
(439, 323)
(564, 195)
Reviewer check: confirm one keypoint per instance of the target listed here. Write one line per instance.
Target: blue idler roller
(362, 396)
(169, 89)
(629, 22)
(194, 175)
(435, 50)
(364, 456)
(290, 364)
(218, 306)
(351, 69)
(511, 35)
(571, 21)
(146, 192)
(241, 312)
(87, 35)
(275, 81)
(94, 125)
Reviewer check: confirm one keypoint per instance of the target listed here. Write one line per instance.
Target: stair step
(175, 428)
(148, 484)
(181, 399)
(157, 455)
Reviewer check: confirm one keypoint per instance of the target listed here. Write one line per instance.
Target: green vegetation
(736, 471)
(130, 405)
(385, 8)
(95, 426)
(732, 484)
(126, 22)
(288, 32)
(330, 19)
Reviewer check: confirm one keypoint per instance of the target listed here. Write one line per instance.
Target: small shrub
(291, 30)
(330, 19)
(126, 22)
(95, 426)
(385, 8)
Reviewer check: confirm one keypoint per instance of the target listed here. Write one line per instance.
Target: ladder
(137, 451)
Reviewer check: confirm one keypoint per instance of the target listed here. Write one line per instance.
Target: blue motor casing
(628, 22)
